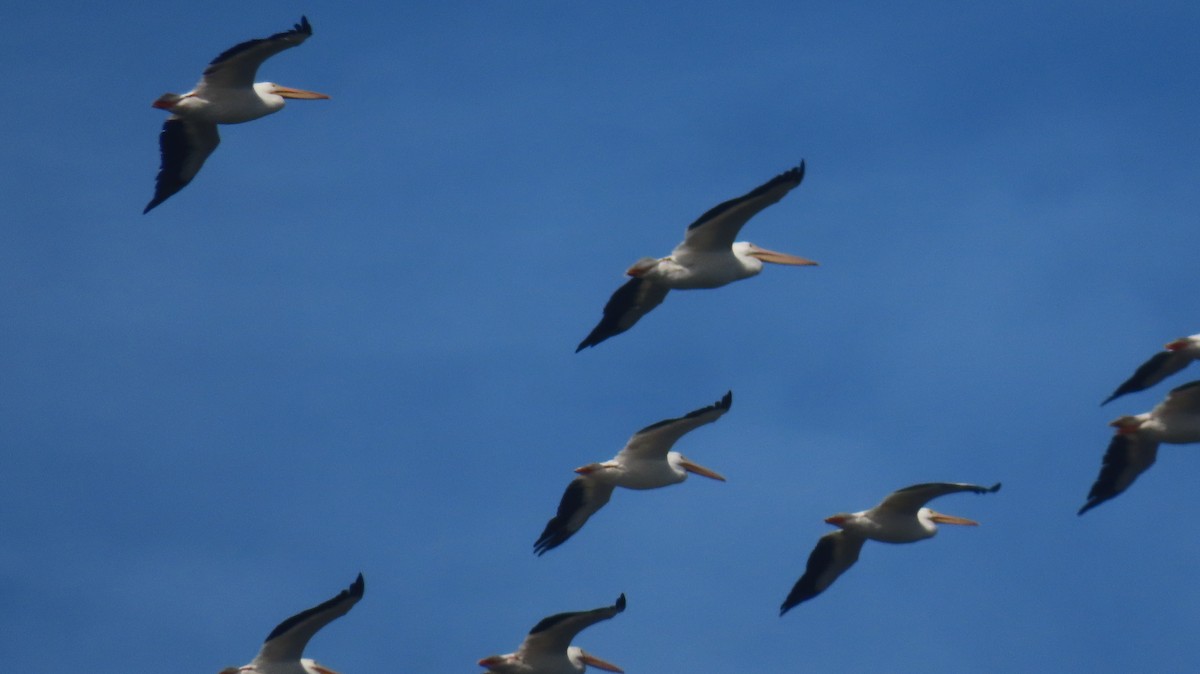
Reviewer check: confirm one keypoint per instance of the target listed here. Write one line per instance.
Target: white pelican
(547, 648)
(646, 462)
(1134, 447)
(226, 94)
(707, 258)
(1175, 357)
(280, 653)
(900, 518)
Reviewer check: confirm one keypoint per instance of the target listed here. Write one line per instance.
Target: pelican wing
(584, 496)
(555, 633)
(184, 145)
(911, 499)
(835, 552)
(1160, 366)
(717, 229)
(287, 641)
(1182, 400)
(626, 306)
(1127, 457)
(655, 440)
(236, 67)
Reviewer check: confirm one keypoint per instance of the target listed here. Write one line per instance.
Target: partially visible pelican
(547, 648)
(645, 462)
(282, 651)
(1134, 447)
(900, 518)
(1175, 356)
(226, 94)
(707, 258)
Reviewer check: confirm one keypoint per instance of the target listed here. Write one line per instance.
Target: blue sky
(348, 344)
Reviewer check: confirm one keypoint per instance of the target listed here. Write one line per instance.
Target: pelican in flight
(900, 518)
(1134, 447)
(281, 652)
(226, 94)
(646, 462)
(1175, 356)
(707, 258)
(547, 648)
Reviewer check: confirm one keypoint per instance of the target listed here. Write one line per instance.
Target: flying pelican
(900, 518)
(226, 94)
(1176, 421)
(547, 648)
(1175, 357)
(646, 462)
(281, 652)
(707, 258)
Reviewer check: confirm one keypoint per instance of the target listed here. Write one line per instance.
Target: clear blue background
(347, 345)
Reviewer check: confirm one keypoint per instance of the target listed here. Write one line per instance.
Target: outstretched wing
(1160, 366)
(555, 633)
(1180, 401)
(184, 145)
(287, 641)
(835, 552)
(626, 306)
(584, 496)
(717, 229)
(1127, 457)
(655, 440)
(911, 499)
(236, 67)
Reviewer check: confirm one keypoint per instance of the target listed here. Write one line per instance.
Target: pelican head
(270, 88)
(677, 459)
(582, 658)
(934, 516)
(313, 668)
(1128, 424)
(745, 249)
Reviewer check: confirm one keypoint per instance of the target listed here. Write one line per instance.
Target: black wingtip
(801, 168)
(785, 607)
(592, 340)
(304, 26)
(726, 401)
(1092, 502)
(620, 605)
(548, 542)
(993, 489)
(358, 586)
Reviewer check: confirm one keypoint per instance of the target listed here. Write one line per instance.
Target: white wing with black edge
(718, 228)
(555, 633)
(655, 440)
(237, 66)
(911, 499)
(287, 641)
